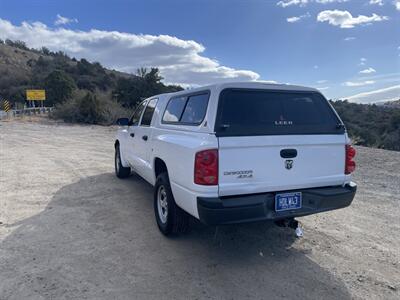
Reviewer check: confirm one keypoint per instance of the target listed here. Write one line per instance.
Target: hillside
(371, 125)
(63, 77)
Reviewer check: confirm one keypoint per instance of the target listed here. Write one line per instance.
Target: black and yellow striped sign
(6, 106)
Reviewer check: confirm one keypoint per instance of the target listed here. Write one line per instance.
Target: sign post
(36, 95)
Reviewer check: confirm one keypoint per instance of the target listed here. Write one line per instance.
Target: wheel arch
(159, 167)
(122, 155)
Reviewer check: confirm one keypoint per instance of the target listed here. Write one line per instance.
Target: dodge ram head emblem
(288, 164)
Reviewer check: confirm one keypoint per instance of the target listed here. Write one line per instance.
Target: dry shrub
(90, 108)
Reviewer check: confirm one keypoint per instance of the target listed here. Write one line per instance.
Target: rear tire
(120, 170)
(170, 218)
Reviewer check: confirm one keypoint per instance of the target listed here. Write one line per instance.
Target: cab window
(136, 115)
(148, 113)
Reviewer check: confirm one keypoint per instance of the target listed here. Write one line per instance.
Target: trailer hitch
(291, 223)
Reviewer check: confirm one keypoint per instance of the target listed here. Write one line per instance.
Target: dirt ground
(69, 229)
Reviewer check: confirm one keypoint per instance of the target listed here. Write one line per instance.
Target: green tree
(129, 91)
(45, 51)
(85, 68)
(59, 87)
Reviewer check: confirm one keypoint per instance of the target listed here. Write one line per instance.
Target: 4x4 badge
(288, 164)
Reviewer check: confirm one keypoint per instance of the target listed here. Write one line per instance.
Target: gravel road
(69, 229)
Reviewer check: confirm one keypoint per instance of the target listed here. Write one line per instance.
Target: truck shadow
(97, 239)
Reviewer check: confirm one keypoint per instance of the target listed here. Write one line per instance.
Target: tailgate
(256, 164)
(274, 140)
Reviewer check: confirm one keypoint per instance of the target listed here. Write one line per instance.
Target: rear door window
(261, 112)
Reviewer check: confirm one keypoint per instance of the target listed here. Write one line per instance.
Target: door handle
(132, 134)
(288, 153)
(145, 137)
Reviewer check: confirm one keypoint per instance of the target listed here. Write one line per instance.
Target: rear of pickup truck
(281, 154)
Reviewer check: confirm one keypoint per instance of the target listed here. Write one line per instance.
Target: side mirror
(123, 121)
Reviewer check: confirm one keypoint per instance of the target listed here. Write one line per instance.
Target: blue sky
(320, 43)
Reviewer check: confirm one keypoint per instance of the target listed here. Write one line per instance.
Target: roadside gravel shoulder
(70, 229)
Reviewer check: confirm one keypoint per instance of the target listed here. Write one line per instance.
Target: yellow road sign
(6, 106)
(39, 95)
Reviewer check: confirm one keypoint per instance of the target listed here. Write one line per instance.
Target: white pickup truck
(238, 152)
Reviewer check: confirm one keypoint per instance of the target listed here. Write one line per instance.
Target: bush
(16, 44)
(391, 141)
(59, 87)
(90, 108)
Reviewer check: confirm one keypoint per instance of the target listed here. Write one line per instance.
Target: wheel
(120, 171)
(170, 218)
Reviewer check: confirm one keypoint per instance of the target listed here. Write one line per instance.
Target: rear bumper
(257, 207)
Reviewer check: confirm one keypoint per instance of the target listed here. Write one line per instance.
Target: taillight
(350, 165)
(206, 167)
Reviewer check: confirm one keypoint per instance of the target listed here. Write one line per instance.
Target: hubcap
(162, 204)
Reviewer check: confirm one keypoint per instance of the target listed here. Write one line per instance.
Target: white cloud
(397, 4)
(293, 19)
(64, 20)
(376, 2)
(269, 81)
(322, 81)
(180, 61)
(330, 1)
(358, 83)
(349, 38)
(344, 19)
(385, 94)
(296, 19)
(286, 3)
(388, 77)
(368, 71)
(362, 61)
(323, 88)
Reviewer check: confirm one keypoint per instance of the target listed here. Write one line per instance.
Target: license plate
(287, 201)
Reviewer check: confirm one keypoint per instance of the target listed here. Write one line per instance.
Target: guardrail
(26, 111)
